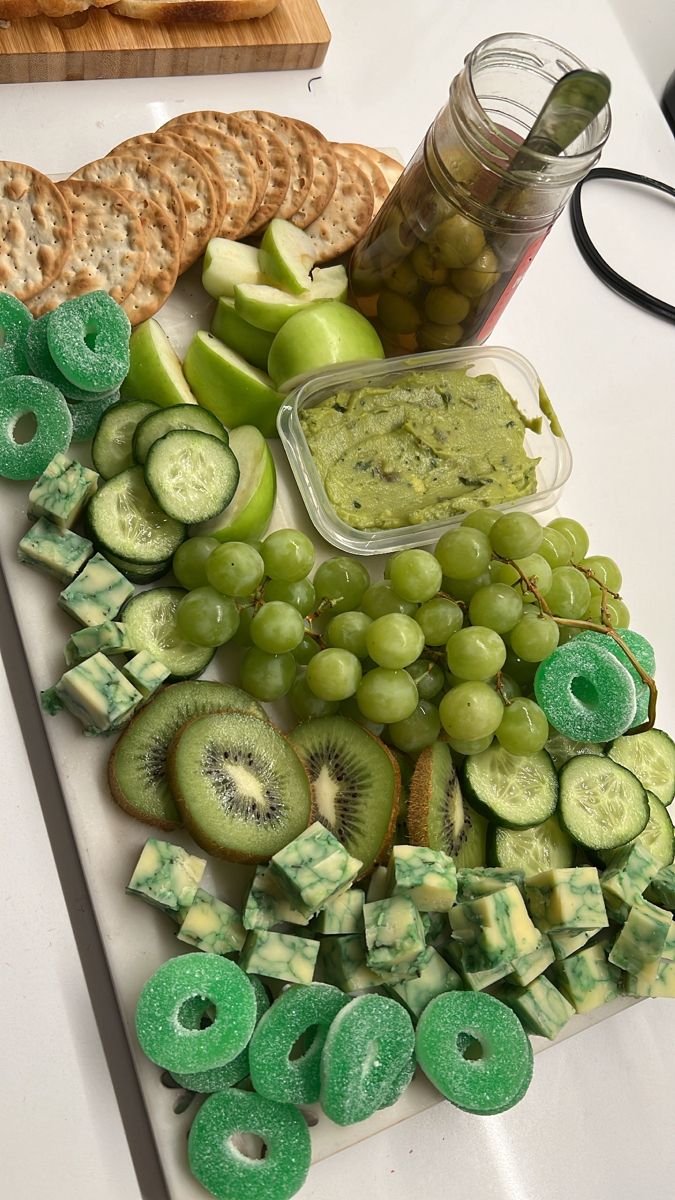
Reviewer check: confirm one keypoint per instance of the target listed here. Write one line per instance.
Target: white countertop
(597, 1121)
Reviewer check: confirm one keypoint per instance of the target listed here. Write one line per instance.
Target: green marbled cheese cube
(436, 976)
(564, 943)
(343, 962)
(146, 673)
(662, 888)
(474, 981)
(57, 552)
(394, 932)
(494, 929)
(627, 878)
(483, 881)
(279, 956)
(529, 966)
(539, 1006)
(642, 939)
(267, 904)
(586, 978)
(98, 694)
(167, 877)
(211, 925)
(342, 914)
(62, 491)
(566, 898)
(377, 885)
(669, 948)
(97, 594)
(314, 867)
(110, 636)
(435, 926)
(664, 984)
(402, 972)
(428, 877)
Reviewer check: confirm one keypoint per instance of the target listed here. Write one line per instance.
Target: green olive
(445, 306)
(427, 266)
(364, 280)
(457, 241)
(397, 313)
(478, 277)
(439, 337)
(403, 279)
(461, 165)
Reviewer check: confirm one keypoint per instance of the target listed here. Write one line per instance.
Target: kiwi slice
(438, 814)
(355, 784)
(137, 767)
(239, 785)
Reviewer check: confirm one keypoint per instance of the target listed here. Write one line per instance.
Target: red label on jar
(495, 313)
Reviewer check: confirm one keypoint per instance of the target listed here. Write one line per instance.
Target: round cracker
(370, 168)
(125, 173)
(108, 246)
(346, 216)
(160, 268)
(35, 230)
(244, 133)
(205, 160)
(390, 167)
(277, 184)
(301, 159)
(234, 165)
(323, 180)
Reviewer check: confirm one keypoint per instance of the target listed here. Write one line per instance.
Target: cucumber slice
(111, 448)
(139, 572)
(562, 748)
(602, 805)
(658, 834)
(125, 519)
(150, 619)
(539, 848)
(179, 416)
(512, 789)
(651, 757)
(191, 475)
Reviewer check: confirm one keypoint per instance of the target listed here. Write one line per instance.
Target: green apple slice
(248, 514)
(228, 386)
(319, 335)
(286, 256)
(268, 307)
(227, 263)
(329, 283)
(155, 372)
(252, 343)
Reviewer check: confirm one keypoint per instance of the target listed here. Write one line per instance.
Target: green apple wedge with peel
(155, 372)
(248, 514)
(269, 307)
(252, 343)
(286, 256)
(319, 336)
(227, 263)
(223, 382)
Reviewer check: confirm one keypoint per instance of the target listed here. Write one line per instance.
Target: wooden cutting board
(293, 36)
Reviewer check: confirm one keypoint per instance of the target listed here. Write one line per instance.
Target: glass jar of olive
(464, 221)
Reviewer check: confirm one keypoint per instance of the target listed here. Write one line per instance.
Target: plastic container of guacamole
(389, 454)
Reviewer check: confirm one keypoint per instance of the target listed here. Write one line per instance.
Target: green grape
(555, 548)
(618, 616)
(243, 635)
(464, 589)
(380, 599)
(523, 672)
(463, 553)
(306, 650)
(394, 641)
(418, 730)
(386, 696)
(343, 581)
(445, 306)
(347, 631)
(575, 534)
(508, 688)
(482, 518)
(475, 652)
(516, 534)
(439, 619)
(534, 637)
(334, 674)
(207, 618)
(471, 710)
(496, 606)
(267, 676)
(300, 594)
(349, 708)
(428, 677)
(477, 746)
(287, 554)
(568, 632)
(604, 569)
(277, 628)
(189, 561)
(536, 568)
(523, 728)
(235, 569)
(569, 594)
(415, 575)
(306, 705)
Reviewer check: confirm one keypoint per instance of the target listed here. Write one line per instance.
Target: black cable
(630, 291)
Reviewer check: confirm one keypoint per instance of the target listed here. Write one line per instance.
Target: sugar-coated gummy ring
(88, 339)
(366, 1059)
(643, 651)
(87, 414)
(475, 1051)
(229, 1174)
(217, 1078)
(165, 1016)
(585, 692)
(15, 320)
(297, 1011)
(42, 364)
(22, 395)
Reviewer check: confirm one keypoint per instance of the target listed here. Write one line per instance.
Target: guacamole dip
(424, 449)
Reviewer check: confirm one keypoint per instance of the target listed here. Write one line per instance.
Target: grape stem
(501, 690)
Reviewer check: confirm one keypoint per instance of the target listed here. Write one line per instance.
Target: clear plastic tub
(518, 377)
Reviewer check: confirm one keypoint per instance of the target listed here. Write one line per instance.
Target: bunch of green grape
(447, 641)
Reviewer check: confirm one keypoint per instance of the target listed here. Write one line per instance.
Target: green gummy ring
(15, 320)
(226, 1172)
(87, 415)
(366, 1059)
(490, 1083)
(297, 1011)
(217, 1078)
(644, 653)
(21, 395)
(42, 364)
(88, 339)
(585, 692)
(165, 1020)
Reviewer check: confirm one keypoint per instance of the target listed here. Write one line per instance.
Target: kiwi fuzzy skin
(419, 798)
(120, 798)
